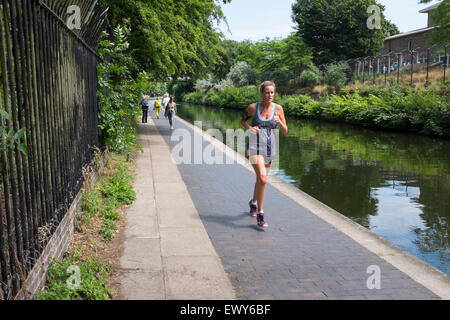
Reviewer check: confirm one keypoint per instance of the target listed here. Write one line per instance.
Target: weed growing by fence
(100, 203)
(116, 190)
(91, 284)
(112, 190)
(10, 138)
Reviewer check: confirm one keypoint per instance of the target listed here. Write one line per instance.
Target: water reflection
(397, 185)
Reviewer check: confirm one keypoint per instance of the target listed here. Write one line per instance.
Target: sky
(258, 19)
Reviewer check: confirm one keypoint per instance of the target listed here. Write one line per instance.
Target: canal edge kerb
(423, 273)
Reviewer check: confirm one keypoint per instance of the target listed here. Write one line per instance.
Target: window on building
(442, 59)
(423, 59)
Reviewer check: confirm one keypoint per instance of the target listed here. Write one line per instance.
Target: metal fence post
(374, 72)
(445, 61)
(364, 63)
(385, 70)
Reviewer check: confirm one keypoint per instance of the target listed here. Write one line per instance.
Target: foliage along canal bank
(398, 107)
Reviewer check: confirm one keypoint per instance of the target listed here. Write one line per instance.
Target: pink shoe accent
(253, 209)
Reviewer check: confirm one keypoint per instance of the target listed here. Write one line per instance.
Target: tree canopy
(337, 29)
(441, 18)
(267, 55)
(170, 37)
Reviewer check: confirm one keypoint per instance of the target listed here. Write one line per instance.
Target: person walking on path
(266, 116)
(165, 101)
(157, 107)
(144, 104)
(171, 110)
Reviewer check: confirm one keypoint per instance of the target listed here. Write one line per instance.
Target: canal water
(397, 185)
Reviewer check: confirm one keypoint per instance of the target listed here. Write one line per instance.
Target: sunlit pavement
(299, 256)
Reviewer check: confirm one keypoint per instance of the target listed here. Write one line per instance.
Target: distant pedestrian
(157, 107)
(145, 105)
(266, 116)
(171, 110)
(165, 101)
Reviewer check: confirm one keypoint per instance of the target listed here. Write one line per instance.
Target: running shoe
(261, 221)
(253, 208)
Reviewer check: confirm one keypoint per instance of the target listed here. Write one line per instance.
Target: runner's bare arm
(281, 120)
(247, 114)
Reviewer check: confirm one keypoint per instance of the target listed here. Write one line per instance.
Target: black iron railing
(48, 88)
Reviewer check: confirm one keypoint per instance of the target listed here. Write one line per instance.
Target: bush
(397, 107)
(428, 113)
(180, 89)
(295, 105)
(230, 97)
(194, 97)
(336, 76)
(205, 84)
(241, 74)
(211, 98)
(311, 77)
(119, 94)
(223, 84)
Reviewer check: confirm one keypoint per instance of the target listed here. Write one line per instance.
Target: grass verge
(89, 269)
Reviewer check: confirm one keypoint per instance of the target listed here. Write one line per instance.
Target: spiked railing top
(91, 22)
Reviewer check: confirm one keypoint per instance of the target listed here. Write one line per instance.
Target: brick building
(417, 38)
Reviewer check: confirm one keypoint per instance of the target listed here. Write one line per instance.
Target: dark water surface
(397, 185)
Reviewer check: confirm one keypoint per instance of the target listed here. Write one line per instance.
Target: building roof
(432, 7)
(409, 33)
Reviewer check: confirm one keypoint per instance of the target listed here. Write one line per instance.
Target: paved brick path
(299, 256)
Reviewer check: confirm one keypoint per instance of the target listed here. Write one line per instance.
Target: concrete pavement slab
(142, 225)
(195, 278)
(173, 219)
(185, 242)
(141, 254)
(142, 286)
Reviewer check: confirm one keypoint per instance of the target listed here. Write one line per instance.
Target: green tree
(170, 37)
(227, 58)
(337, 29)
(390, 28)
(248, 51)
(295, 53)
(269, 55)
(441, 19)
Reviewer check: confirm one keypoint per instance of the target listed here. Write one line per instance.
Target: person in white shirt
(165, 101)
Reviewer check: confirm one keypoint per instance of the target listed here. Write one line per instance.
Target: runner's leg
(261, 180)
